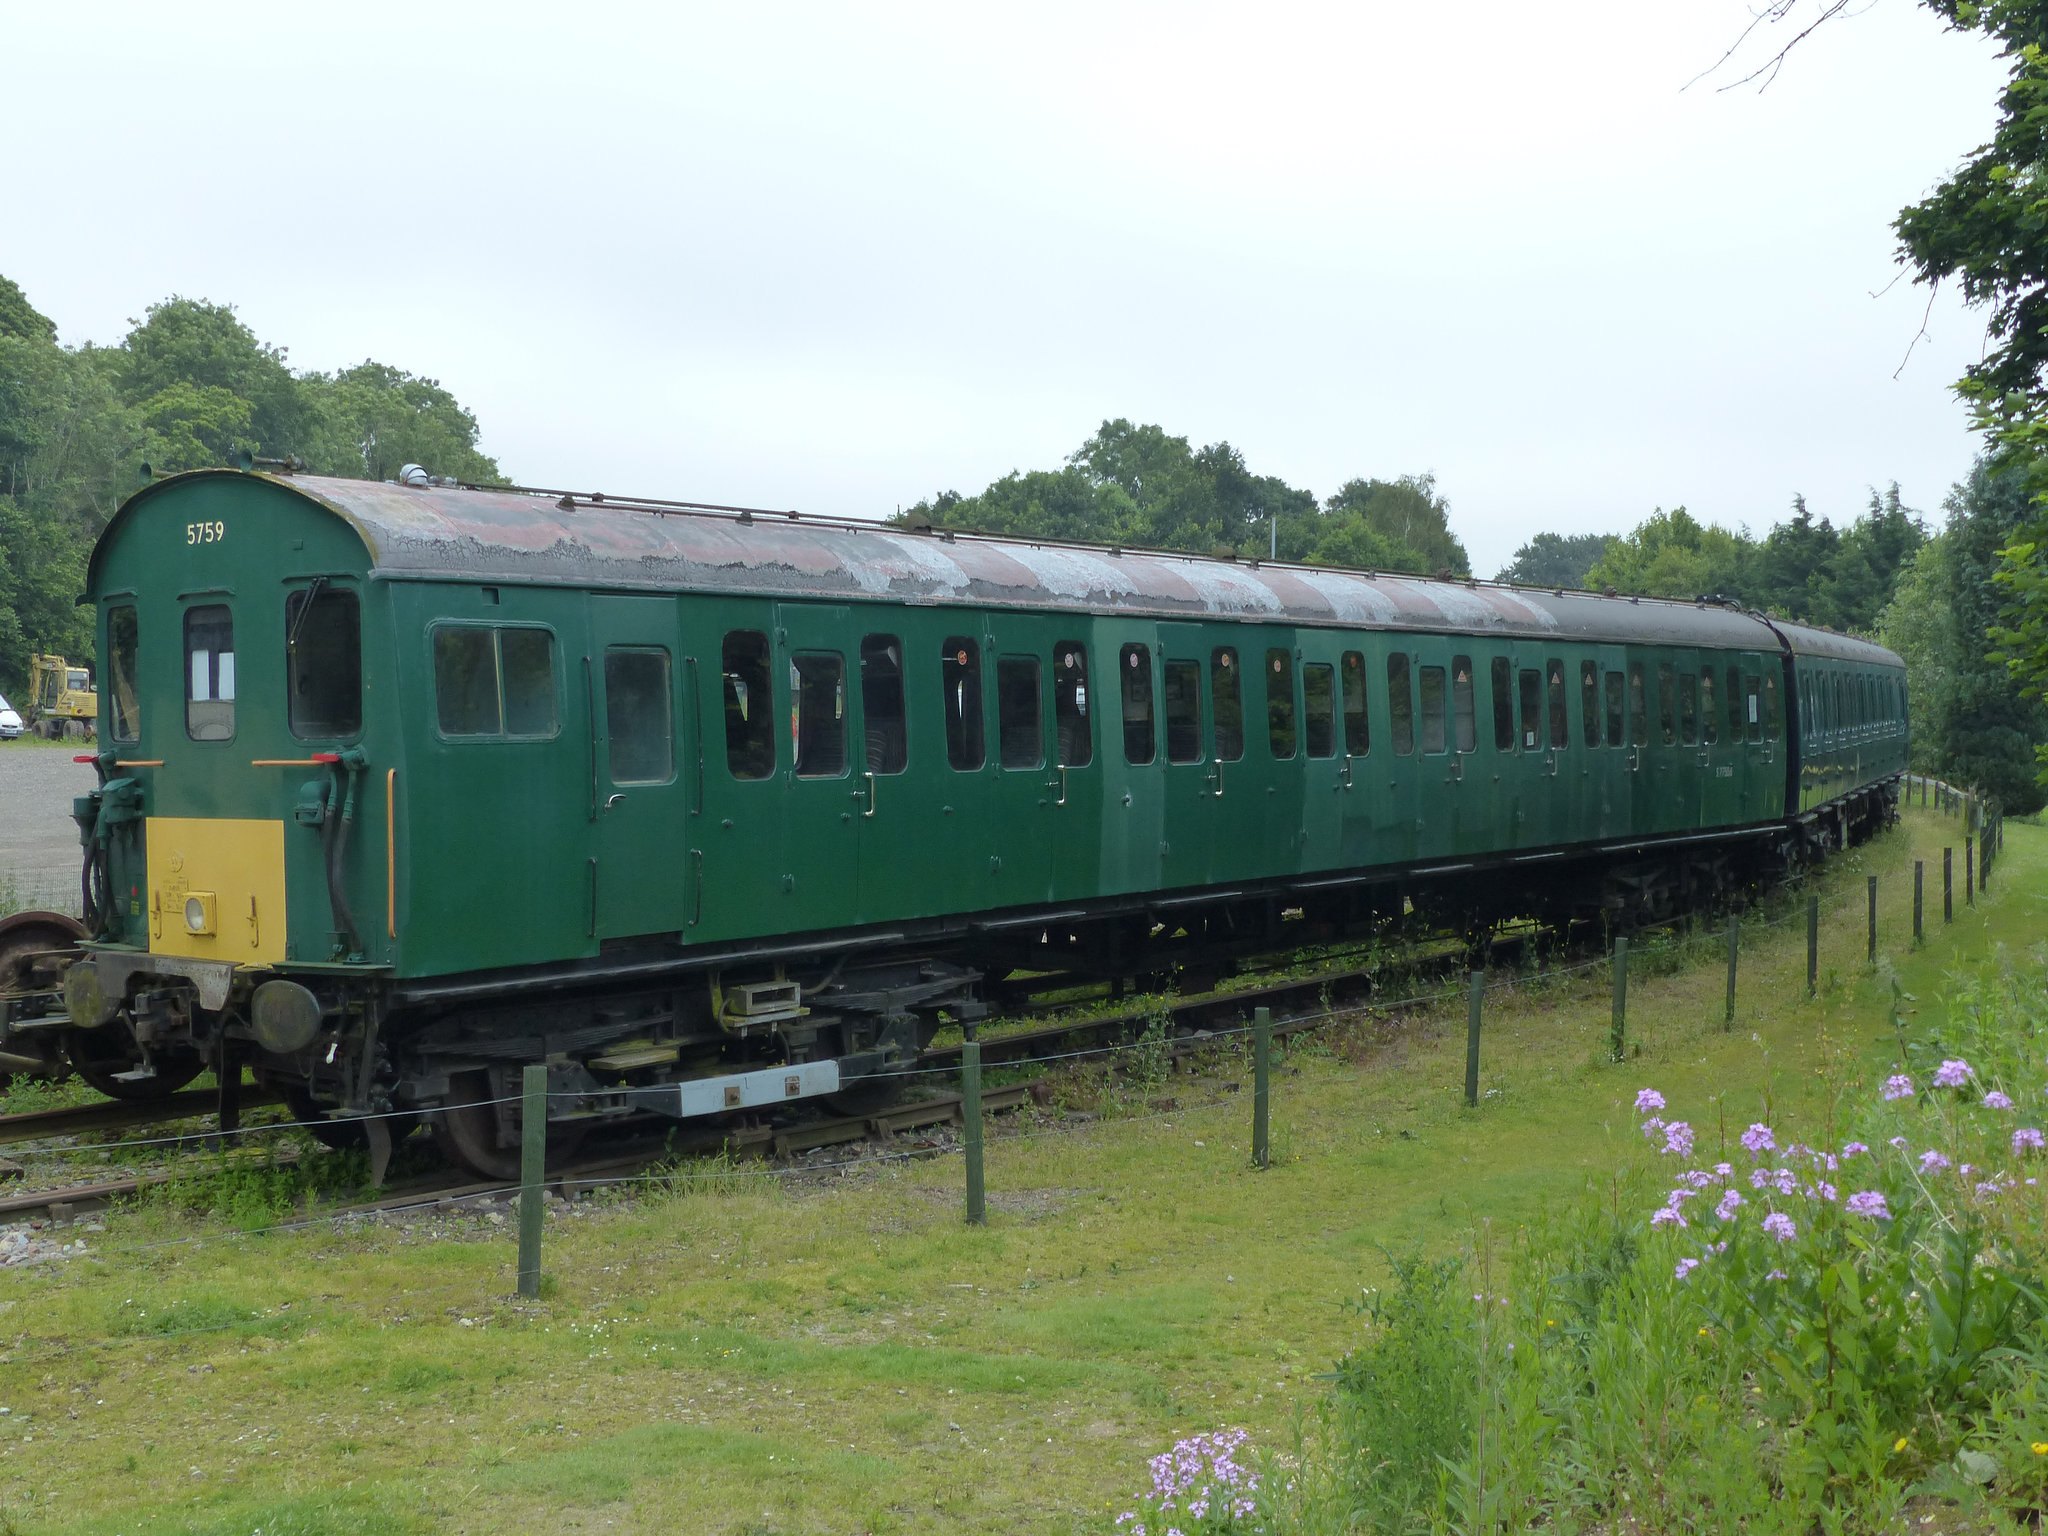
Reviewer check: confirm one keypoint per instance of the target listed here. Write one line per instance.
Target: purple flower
(1952, 1074)
(1759, 1177)
(2027, 1139)
(1678, 1139)
(1651, 1127)
(1996, 1100)
(1779, 1225)
(1666, 1216)
(1679, 1196)
(1782, 1181)
(1776, 1274)
(1933, 1162)
(1898, 1086)
(1686, 1267)
(1724, 1172)
(1897, 1141)
(1648, 1099)
(1821, 1191)
(1989, 1189)
(1759, 1140)
(1869, 1202)
(1854, 1149)
(1697, 1178)
(1730, 1204)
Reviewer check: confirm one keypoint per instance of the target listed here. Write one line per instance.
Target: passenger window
(1136, 672)
(1503, 704)
(209, 673)
(1357, 729)
(466, 681)
(1532, 710)
(123, 699)
(527, 665)
(1280, 703)
(1734, 705)
(1614, 709)
(1752, 703)
(1667, 705)
(1638, 707)
(1070, 704)
(1770, 707)
(881, 703)
(1560, 718)
(960, 677)
(638, 722)
(748, 705)
(1689, 708)
(1400, 703)
(1020, 728)
(1433, 702)
(323, 663)
(817, 687)
(1183, 712)
(1589, 701)
(1319, 709)
(1226, 696)
(1710, 720)
(1467, 728)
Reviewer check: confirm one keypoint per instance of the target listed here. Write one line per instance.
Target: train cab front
(219, 882)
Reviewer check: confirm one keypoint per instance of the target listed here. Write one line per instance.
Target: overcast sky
(838, 257)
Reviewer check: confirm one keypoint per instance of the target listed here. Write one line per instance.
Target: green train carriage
(405, 786)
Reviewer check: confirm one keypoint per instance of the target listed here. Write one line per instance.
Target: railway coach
(405, 786)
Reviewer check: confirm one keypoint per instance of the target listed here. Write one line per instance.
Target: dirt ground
(38, 839)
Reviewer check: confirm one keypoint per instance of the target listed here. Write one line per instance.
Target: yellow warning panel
(216, 888)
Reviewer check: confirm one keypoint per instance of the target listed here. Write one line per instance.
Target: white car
(10, 722)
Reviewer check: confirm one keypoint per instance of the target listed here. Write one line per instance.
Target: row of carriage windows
(499, 681)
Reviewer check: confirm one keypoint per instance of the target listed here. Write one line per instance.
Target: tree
(192, 342)
(1673, 554)
(1141, 486)
(1972, 720)
(1407, 511)
(369, 421)
(1556, 559)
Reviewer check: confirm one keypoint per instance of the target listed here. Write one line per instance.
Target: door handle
(612, 800)
(1059, 783)
(1344, 773)
(697, 867)
(1457, 773)
(1216, 778)
(870, 811)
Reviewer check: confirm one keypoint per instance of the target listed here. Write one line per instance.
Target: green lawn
(842, 1353)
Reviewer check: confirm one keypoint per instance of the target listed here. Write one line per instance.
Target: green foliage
(1973, 722)
(1557, 560)
(189, 387)
(1139, 486)
(1674, 554)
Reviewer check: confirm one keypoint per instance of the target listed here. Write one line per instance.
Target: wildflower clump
(1198, 1489)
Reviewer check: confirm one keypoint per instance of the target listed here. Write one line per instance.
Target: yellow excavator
(61, 700)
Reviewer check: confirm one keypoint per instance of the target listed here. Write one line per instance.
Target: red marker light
(87, 757)
(326, 757)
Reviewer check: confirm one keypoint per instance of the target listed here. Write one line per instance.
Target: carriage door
(825, 785)
(639, 872)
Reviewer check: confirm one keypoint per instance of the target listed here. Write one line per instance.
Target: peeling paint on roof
(451, 534)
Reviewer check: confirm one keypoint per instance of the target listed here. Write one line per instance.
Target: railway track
(1297, 1003)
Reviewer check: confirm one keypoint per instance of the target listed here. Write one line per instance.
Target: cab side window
(1434, 708)
(323, 663)
(1689, 708)
(1589, 701)
(1503, 704)
(1532, 709)
(1638, 707)
(1560, 716)
(1614, 686)
(747, 706)
(1710, 719)
(1020, 728)
(1400, 703)
(1319, 709)
(123, 699)
(209, 673)
(1667, 704)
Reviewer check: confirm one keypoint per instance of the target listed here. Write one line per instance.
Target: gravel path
(38, 839)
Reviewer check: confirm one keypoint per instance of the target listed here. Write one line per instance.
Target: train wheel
(99, 1055)
(468, 1132)
(341, 1135)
